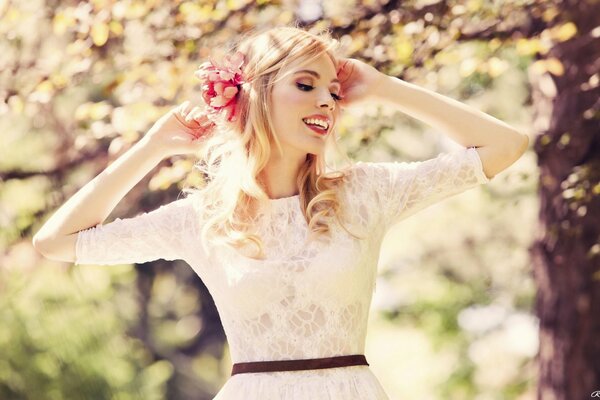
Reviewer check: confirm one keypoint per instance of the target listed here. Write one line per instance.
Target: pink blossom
(220, 84)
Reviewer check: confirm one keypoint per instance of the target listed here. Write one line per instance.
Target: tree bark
(566, 252)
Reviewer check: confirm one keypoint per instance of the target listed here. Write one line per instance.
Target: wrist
(379, 86)
(395, 90)
(151, 149)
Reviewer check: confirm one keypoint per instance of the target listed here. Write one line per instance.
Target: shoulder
(183, 208)
(362, 175)
(356, 170)
(356, 182)
(182, 204)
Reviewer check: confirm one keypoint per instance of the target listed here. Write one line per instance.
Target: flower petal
(230, 92)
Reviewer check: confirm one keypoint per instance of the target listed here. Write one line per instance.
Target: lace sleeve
(160, 234)
(397, 190)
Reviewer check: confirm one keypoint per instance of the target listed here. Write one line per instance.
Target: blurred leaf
(99, 33)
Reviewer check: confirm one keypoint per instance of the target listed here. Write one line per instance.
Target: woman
(287, 249)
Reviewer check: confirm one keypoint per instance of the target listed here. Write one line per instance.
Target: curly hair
(235, 153)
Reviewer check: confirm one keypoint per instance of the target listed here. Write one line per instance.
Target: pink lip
(315, 129)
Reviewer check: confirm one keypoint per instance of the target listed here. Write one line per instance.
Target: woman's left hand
(359, 81)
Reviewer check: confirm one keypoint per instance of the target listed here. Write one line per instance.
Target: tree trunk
(566, 253)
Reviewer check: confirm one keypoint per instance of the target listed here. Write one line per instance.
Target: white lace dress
(307, 300)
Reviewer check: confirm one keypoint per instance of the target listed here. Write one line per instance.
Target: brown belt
(297, 365)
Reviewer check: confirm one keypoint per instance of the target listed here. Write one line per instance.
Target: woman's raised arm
(174, 133)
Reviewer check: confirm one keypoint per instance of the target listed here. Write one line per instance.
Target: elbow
(525, 143)
(43, 245)
(497, 158)
(522, 145)
(38, 244)
(516, 145)
(58, 248)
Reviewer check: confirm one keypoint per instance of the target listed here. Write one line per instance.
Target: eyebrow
(314, 73)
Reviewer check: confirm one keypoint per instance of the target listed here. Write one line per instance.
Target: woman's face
(300, 95)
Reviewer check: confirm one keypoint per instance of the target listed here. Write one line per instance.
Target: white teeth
(318, 122)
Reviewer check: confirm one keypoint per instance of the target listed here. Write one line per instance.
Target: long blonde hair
(235, 153)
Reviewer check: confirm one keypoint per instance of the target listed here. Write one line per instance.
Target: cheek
(288, 101)
(288, 108)
(296, 97)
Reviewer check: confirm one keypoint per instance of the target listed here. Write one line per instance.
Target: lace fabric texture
(307, 299)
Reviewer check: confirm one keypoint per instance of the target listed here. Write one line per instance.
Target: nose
(325, 100)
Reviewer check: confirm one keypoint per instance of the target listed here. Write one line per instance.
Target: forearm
(464, 124)
(94, 202)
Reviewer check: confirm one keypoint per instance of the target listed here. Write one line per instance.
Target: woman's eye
(308, 88)
(304, 87)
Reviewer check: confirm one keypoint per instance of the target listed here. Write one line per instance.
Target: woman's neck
(279, 177)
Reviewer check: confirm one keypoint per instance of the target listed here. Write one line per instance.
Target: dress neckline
(284, 199)
(285, 203)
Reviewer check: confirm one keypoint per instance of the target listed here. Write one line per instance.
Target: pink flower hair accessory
(221, 83)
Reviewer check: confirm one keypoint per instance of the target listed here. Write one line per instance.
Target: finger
(184, 108)
(183, 104)
(195, 114)
(205, 122)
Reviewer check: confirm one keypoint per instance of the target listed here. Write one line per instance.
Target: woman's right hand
(180, 130)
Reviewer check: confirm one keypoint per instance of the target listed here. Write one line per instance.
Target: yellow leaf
(99, 33)
(62, 21)
(130, 136)
(552, 65)
(17, 105)
(99, 110)
(189, 46)
(194, 179)
(404, 50)
(285, 16)
(564, 32)
(549, 14)
(59, 80)
(555, 67)
(135, 10)
(545, 139)
(429, 63)
(474, 5)
(151, 78)
(161, 180)
(194, 13)
(13, 14)
(45, 87)
(99, 4)
(565, 138)
(233, 5)
(467, 67)
(496, 67)
(527, 47)
(494, 44)
(116, 28)
(82, 112)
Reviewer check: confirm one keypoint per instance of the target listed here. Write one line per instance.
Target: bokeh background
(453, 315)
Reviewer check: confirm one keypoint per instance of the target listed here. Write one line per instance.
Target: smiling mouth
(317, 129)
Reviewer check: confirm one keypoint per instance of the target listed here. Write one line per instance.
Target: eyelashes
(308, 88)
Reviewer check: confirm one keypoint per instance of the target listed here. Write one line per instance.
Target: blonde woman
(287, 246)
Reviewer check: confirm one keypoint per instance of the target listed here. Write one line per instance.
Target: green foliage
(63, 340)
